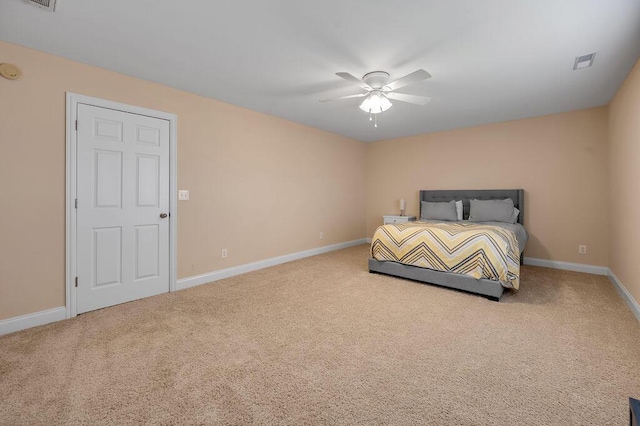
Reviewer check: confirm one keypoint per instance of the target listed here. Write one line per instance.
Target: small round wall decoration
(10, 71)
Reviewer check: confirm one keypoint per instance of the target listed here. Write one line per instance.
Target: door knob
(163, 215)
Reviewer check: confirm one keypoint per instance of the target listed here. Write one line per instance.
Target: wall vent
(584, 61)
(44, 4)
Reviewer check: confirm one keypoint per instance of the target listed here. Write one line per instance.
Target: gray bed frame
(491, 289)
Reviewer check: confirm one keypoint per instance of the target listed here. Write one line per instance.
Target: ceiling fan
(379, 90)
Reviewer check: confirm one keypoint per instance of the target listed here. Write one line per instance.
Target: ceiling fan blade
(360, 95)
(354, 80)
(408, 79)
(412, 99)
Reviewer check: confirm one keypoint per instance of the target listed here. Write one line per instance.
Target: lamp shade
(375, 103)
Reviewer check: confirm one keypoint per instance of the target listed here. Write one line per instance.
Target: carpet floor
(322, 341)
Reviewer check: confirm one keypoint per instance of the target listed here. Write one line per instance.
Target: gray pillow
(491, 211)
(438, 211)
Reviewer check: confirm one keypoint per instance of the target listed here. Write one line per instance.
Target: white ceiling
(491, 60)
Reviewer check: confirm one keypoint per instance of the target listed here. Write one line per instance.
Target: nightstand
(397, 219)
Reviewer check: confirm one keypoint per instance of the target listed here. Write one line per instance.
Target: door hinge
(76, 281)
(76, 125)
(76, 203)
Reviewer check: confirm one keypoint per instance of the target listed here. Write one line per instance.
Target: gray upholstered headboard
(517, 195)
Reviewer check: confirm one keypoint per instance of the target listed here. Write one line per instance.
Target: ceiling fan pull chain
(370, 114)
(376, 121)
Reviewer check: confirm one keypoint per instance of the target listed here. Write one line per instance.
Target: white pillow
(516, 212)
(459, 209)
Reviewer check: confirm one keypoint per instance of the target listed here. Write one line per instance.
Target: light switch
(183, 194)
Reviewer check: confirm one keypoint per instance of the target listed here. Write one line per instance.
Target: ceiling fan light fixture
(375, 103)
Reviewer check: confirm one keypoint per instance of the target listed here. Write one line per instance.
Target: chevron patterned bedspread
(477, 250)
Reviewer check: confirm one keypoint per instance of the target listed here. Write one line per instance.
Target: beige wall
(252, 174)
(260, 186)
(560, 160)
(624, 167)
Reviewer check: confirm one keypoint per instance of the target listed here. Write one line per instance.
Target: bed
(490, 288)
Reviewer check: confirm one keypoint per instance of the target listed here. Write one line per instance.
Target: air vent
(44, 4)
(584, 61)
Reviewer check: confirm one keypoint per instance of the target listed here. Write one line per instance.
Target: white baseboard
(254, 266)
(628, 298)
(22, 322)
(590, 269)
(567, 266)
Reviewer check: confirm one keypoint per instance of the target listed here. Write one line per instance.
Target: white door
(122, 207)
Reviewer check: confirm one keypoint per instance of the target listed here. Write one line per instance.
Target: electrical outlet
(322, 235)
(183, 194)
(224, 253)
(582, 249)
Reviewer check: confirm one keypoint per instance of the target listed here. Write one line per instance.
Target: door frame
(73, 100)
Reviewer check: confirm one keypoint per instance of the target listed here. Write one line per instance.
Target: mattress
(478, 250)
